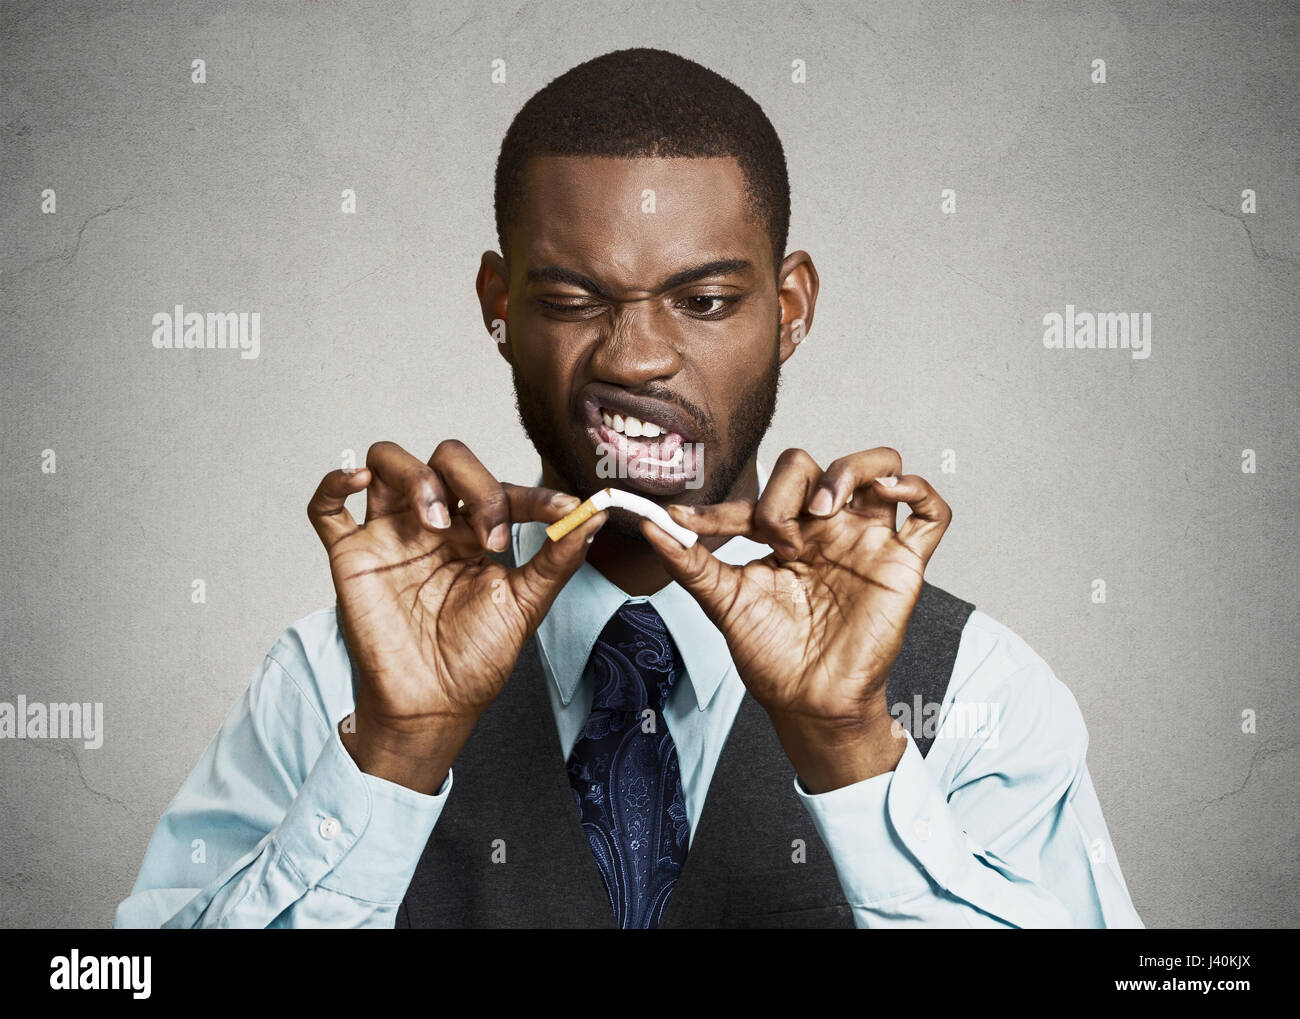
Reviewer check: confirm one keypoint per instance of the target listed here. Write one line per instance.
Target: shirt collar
(588, 601)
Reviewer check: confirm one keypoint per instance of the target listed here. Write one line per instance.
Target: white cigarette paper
(639, 505)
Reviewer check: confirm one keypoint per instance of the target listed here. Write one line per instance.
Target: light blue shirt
(998, 825)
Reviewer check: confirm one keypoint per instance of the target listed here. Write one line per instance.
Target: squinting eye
(564, 307)
(702, 305)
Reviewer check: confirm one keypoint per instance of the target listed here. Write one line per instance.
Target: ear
(797, 295)
(493, 286)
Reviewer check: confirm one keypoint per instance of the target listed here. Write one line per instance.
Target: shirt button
(922, 829)
(330, 827)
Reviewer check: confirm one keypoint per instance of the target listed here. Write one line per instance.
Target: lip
(666, 415)
(651, 480)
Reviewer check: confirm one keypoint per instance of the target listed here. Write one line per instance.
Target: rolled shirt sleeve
(277, 826)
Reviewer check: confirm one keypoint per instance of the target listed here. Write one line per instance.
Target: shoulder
(936, 607)
(1027, 710)
(310, 660)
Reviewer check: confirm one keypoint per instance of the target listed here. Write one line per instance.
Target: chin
(623, 524)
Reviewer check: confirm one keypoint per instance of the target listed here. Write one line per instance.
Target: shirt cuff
(355, 833)
(890, 836)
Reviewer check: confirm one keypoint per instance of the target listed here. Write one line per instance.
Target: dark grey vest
(511, 785)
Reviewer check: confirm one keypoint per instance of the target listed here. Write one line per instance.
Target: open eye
(699, 304)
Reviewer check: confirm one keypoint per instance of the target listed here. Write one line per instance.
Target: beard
(545, 426)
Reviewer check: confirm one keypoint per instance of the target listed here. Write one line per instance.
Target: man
(726, 750)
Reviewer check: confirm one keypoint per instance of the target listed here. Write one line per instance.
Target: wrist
(418, 759)
(830, 754)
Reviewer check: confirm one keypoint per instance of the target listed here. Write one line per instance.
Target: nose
(638, 348)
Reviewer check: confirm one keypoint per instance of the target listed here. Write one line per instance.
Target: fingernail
(822, 502)
(567, 503)
(889, 481)
(438, 514)
(590, 538)
(688, 510)
(498, 538)
(349, 471)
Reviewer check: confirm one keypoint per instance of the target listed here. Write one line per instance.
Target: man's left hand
(814, 627)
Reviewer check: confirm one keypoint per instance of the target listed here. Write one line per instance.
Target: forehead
(629, 220)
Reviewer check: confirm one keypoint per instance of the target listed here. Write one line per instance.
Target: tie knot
(635, 660)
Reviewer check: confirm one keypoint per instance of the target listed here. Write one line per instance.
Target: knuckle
(835, 476)
(494, 502)
(424, 474)
(318, 497)
(769, 518)
(891, 455)
(449, 447)
(378, 450)
(425, 491)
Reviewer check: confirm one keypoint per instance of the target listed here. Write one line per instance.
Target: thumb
(713, 583)
(538, 581)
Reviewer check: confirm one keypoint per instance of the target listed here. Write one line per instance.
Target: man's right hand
(434, 624)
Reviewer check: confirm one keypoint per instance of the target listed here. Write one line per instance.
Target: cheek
(544, 353)
(549, 369)
(730, 365)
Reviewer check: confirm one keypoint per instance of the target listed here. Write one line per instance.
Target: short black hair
(642, 102)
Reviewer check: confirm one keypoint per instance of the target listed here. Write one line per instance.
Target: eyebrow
(718, 267)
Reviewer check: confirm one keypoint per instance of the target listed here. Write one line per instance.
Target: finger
(486, 504)
(526, 503)
(726, 519)
(537, 503)
(847, 484)
(713, 583)
(776, 515)
(327, 509)
(930, 515)
(536, 582)
(403, 482)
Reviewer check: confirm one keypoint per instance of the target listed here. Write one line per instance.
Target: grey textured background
(1071, 465)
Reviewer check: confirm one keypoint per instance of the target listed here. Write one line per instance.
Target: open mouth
(655, 456)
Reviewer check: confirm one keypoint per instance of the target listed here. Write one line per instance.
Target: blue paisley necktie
(624, 769)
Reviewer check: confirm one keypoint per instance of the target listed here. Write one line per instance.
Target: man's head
(642, 207)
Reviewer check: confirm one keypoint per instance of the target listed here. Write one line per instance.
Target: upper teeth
(630, 426)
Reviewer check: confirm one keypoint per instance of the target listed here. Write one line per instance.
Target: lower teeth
(678, 456)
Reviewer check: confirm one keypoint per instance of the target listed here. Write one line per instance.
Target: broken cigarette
(639, 505)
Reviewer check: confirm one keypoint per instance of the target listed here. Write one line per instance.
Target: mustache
(696, 413)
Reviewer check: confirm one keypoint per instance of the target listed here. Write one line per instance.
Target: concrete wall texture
(1129, 195)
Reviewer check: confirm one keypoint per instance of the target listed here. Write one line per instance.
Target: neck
(630, 563)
